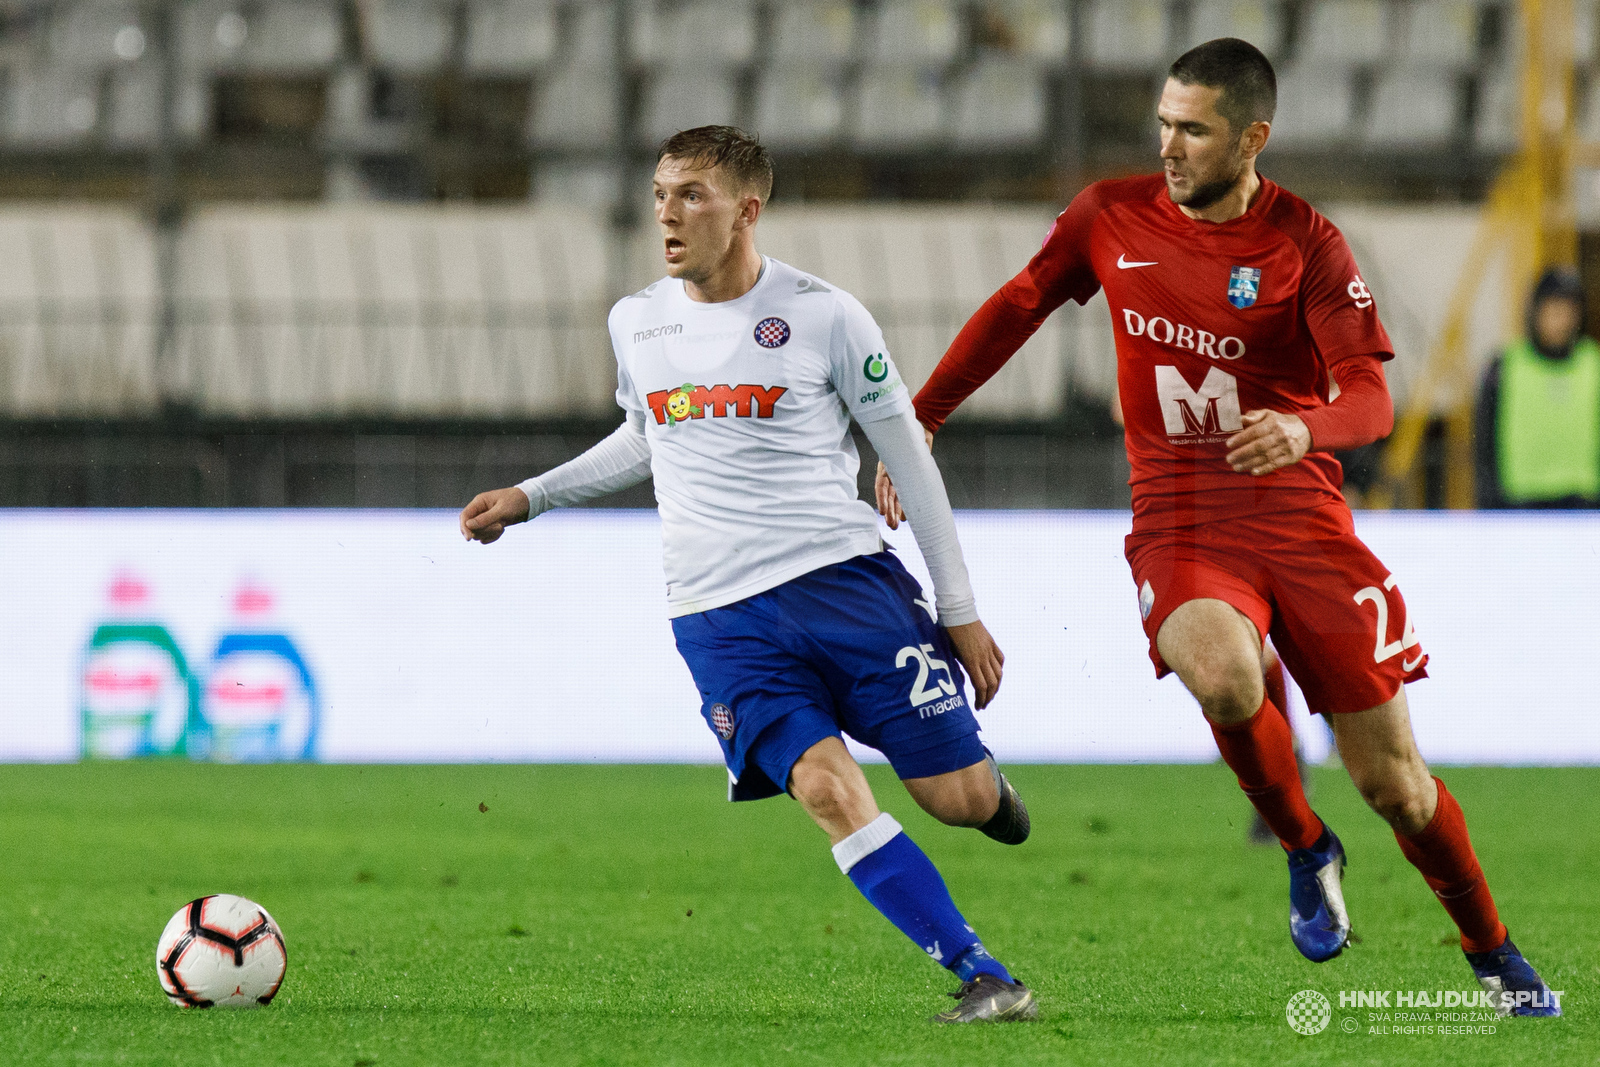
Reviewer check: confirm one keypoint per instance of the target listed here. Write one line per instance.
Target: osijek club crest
(1244, 284)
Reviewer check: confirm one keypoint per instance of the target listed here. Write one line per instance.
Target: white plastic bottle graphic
(138, 697)
(260, 701)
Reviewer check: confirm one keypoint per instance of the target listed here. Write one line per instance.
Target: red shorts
(1331, 608)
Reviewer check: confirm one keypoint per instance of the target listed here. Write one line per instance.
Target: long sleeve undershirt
(623, 460)
(618, 462)
(901, 446)
(1361, 413)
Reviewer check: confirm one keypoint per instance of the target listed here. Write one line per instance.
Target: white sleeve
(902, 448)
(618, 462)
(862, 372)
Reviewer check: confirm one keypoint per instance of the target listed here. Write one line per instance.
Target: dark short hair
(1249, 87)
(744, 158)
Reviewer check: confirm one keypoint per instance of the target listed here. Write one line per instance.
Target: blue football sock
(901, 882)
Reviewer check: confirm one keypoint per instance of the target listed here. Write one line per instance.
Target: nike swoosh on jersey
(1122, 261)
(1411, 666)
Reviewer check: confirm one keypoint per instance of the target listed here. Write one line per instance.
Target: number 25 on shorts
(1383, 650)
(926, 662)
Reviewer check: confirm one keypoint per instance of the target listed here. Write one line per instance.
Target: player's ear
(1254, 139)
(750, 208)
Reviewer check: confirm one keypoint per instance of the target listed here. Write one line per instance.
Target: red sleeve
(1337, 305)
(1362, 412)
(1060, 271)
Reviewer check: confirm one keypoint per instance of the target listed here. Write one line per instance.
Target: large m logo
(1210, 410)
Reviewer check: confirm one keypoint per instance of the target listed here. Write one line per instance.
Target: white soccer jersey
(747, 405)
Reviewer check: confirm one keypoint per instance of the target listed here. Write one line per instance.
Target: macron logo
(1123, 262)
(657, 331)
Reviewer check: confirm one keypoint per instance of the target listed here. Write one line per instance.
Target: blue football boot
(1318, 922)
(1511, 980)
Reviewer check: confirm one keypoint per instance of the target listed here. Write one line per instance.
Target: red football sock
(1443, 853)
(1260, 751)
(1277, 691)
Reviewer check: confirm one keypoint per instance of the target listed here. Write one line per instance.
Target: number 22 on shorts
(1408, 639)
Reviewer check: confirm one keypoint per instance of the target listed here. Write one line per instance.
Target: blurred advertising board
(353, 636)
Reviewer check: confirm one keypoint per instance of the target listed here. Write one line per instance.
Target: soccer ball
(221, 950)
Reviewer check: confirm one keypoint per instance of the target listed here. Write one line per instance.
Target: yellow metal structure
(1530, 223)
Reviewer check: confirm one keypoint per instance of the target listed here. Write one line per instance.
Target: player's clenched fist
(487, 517)
(980, 656)
(1269, 441)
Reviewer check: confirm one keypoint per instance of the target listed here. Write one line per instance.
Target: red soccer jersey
(1211, 320)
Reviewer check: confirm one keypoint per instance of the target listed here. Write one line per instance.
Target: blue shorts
(847, 647)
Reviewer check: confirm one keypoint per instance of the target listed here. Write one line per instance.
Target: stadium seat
(132, 115)
(916, 31)
(100, 361)
(276, 36)
(1261, 22)
(716, 32)
(1316, 105)
(1497, 126)
(814, 31)
(1415, 108)
(799, 106)
(1040, 30)
(210, 34)
(999, 103)
(900, 107)
(575, 108)
(509, 36)
(409, 36)
(1345, 31)
(679, 99)
(87, 35)
(551, 360)
(593, 38)
(51, 107)
(1126, 34)
(1439, 32)
(584, 184)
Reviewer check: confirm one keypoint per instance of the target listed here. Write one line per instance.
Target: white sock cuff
(865, 841)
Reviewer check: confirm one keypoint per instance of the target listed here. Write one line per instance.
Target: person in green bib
(1537, 431)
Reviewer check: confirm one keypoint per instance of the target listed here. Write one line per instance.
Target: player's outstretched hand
(889, 500)
(487, 517)
(1269, 441)
(980, 656)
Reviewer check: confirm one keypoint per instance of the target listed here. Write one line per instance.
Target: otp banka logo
(255, 700)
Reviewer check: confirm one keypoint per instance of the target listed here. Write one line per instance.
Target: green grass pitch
(630, 915)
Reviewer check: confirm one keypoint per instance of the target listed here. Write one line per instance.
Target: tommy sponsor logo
(1178, 335)
(657, 331)
(672, 406)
